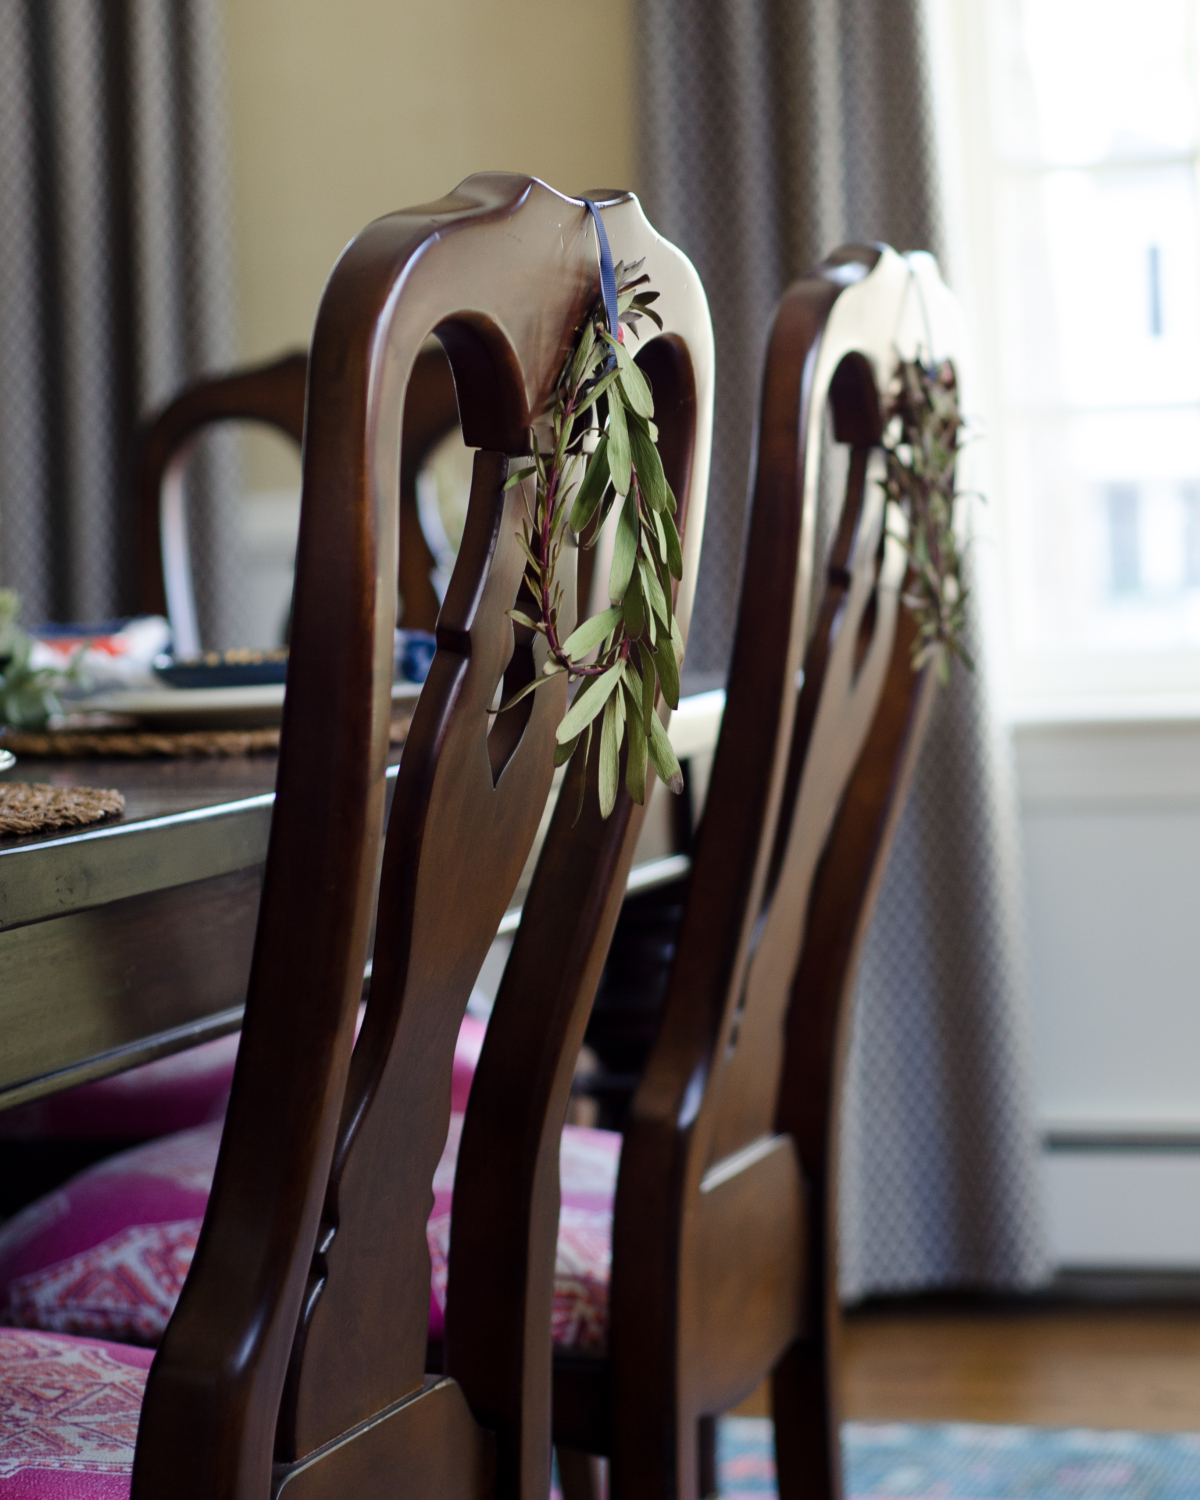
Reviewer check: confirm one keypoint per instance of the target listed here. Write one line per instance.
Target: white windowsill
(1124, 709)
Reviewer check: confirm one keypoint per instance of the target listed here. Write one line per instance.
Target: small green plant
(28, 696)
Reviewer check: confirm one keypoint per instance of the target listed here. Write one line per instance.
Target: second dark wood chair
(724, 1268)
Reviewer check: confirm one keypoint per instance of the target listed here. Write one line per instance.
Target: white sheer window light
(1082, 127)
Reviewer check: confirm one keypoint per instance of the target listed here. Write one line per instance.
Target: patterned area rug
(953, 1461)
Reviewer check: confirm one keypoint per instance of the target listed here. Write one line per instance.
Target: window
(1086, 241)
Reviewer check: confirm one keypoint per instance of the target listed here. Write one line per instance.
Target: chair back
(273, 395)
(296, 1358)
(715, 1211)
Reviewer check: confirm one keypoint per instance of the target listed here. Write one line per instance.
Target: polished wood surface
(295, 1358)
(1126, 1367)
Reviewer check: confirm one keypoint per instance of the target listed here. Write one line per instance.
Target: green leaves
(519, 476)
(609, 768)
(651, 479)
(591, 633)
(620, 460)
(591, 489)
(662, 757)
(630, 651)
(634, 385)
(647, 689)
(589, 700)
(635, 758)
(624, 549)
(653, 588)
(668, 670)
(666, 522)
(635, 610)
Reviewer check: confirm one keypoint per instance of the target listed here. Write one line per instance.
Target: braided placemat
(127, 744)
(138, 744)
(28, 808)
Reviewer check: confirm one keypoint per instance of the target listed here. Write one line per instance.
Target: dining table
(130, 939)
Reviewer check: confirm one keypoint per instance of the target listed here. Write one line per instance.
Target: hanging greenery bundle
(605, 454)
(923, 439)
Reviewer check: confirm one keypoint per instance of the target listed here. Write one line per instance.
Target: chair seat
(107, 1253)
(69, 1411)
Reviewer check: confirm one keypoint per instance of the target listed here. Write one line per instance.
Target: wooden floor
(1049, 1366)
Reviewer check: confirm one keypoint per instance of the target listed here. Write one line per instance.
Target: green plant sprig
(628, 652)
(28, 696)
(922, 442)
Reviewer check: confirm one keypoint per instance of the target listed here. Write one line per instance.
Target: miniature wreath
(605, 451)
(602, 421)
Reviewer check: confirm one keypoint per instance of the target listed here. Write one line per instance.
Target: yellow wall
(344, 109)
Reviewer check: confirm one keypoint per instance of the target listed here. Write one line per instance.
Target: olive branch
(602, 424)
(922, 442)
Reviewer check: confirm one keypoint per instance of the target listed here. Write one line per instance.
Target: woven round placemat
(126, 744)
(144, 744)
(26, 807)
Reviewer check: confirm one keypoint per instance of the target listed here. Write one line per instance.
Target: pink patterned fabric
(68, 1416)
(108, 1252)
(587, 1169)
(172, 1093)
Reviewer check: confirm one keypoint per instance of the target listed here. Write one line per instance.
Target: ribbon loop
(608, 276)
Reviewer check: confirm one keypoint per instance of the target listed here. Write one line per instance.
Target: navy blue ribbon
(608, 276)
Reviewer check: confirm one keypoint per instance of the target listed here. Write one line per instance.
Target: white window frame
(1033, 685)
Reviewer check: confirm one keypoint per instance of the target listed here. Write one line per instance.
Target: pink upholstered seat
(107, 1253)
(172, 1093)
(69, 1412)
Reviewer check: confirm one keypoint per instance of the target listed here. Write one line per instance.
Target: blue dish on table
(414, 654)
(226, 669)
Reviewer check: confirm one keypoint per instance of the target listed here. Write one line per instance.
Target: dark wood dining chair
(724, 1266)
(272, 395)
(295, 1359)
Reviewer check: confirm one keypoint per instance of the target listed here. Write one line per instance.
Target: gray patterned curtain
(115, 287)
(771, 132)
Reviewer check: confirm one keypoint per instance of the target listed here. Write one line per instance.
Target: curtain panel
(771, 132)
(115, 288)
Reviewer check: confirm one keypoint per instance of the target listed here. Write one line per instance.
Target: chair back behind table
(295, 1359)
(271, 395)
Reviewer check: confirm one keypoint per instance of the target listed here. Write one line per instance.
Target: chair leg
(657, 1457)
(581, 1475)
(808, 1449)
(707, 1435)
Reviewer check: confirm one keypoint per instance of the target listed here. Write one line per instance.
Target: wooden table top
(184, 820)
(132, 938)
